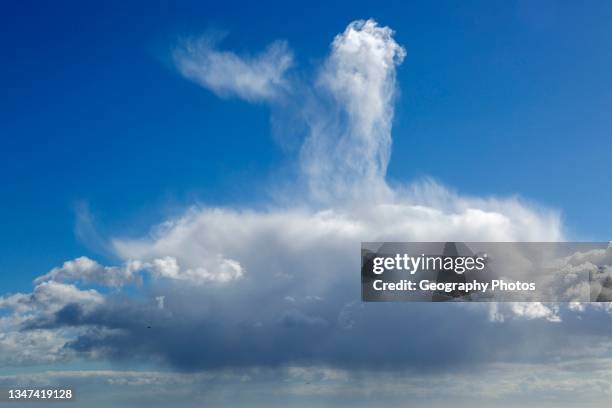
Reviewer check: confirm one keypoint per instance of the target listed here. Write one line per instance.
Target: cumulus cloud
(535, 310)
(20, 344)
(254, 78)
(276, 287)
(88, 271)
(49, 297)
(219, 270)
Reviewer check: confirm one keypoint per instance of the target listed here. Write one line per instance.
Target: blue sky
(185, 188)
(93, 111)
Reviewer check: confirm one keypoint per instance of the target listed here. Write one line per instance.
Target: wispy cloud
(254, 78)
(348, 148)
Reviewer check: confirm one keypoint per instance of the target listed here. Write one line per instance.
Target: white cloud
(207, 237)
(20, 346)
(88, 271)
(49, 297)
(257, 78)
(218, 269)
(348, 148)
(535, 310)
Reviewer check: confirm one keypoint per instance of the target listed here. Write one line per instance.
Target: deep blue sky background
(496, 98)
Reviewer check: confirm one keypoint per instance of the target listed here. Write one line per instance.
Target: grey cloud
(189, 334)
